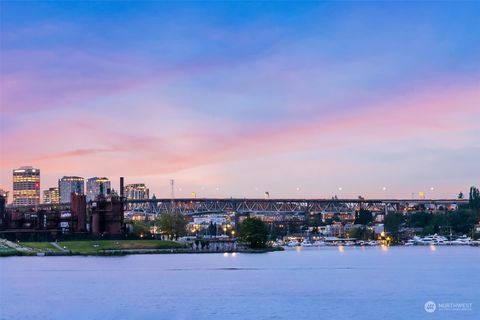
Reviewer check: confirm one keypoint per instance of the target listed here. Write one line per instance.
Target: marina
(335, 241)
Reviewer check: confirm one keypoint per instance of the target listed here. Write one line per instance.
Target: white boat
(319, 243)
(293, 243)
(306, 243)
(430, 240)
(416, 240)
(410, 242)
(463, 240)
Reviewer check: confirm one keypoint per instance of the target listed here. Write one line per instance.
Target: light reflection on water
(299, 283)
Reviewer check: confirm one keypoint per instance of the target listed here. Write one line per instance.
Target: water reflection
(241, 285)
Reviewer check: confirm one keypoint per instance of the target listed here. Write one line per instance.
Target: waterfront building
(107, 216)
(139, 214)
(51, 196)
(97, 186)
(136, 191)
(26, 186)
(210, 219)
(69, 185)
(210, 224)
(4, 194)
(379, 228)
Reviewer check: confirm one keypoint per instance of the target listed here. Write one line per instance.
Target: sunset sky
(235, 99)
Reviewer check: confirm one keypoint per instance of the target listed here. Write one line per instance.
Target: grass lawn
(43, 246)
(92, 247)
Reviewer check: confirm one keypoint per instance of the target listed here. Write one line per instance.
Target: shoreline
(108, 253)
(125, 252)
(113, 248)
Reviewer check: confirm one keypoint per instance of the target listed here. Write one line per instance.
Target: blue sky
(357, 94)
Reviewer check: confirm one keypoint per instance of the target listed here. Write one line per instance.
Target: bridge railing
(212, 205)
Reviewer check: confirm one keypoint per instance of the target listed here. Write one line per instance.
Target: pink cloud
(81, 146)
(36, 80)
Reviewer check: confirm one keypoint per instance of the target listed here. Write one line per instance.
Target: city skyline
(138, 190)
(243, 98)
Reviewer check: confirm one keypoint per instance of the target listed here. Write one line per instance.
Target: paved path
(59, 247)
(16, 246)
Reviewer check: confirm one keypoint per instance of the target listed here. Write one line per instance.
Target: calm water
(317, 283)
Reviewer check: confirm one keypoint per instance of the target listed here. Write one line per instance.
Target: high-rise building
(26, 186)
(69, 185)
(136, 191)
(97, 186)
(51, 196)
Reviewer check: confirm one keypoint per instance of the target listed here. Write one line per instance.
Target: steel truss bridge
(194, 206)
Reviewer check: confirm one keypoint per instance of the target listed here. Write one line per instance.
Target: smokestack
(122, 199)
(121, 187)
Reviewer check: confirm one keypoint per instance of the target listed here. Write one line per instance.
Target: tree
(314, 220)
(140, 229)
(462, 221)
(254, 232)
(172, 224)
(419, 219)
(363, 217)
(393, 222)
(460, 195)
(362, 233)
(276, 232)
(474, 200)
(212, 229)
